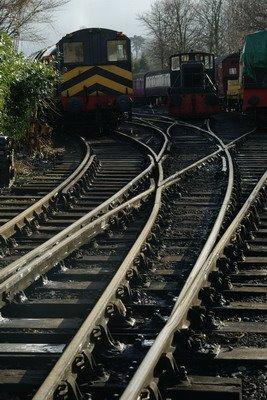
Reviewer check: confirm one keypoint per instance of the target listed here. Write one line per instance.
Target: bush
(26, 86)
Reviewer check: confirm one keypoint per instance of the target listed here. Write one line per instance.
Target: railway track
(27, 191)
(217, 325)
(146, 293)
(105, 178)
(108, 287)
(129, 171)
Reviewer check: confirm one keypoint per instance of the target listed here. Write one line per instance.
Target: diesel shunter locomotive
(193, 92)
(96, 74)
(228, 82)
(96, 83)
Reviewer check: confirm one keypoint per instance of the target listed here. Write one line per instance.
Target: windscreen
(73, 53)
(117, 50)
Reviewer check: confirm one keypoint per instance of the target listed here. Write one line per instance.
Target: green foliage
(25, 87)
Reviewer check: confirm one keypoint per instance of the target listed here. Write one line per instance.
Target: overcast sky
(113, 14)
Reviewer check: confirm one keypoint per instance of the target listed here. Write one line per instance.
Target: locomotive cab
(192, 93)
(96, 76)
(192, 75)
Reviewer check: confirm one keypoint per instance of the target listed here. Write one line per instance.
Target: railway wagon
(151, 88)
(96, 74)
(254, 75)
(227, 80)
(157, 85)
(193, 93)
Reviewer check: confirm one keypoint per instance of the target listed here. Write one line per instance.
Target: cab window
(185, 58)
(73, 53)
(117, 50)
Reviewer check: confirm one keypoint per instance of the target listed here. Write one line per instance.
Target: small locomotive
(193, 93)
(96, 77)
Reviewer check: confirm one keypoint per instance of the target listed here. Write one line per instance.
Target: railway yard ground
(133, 264)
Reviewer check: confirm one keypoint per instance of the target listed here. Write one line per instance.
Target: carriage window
(73, 52)
(176, 64)
(117, 50)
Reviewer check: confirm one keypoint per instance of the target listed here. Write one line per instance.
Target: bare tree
(249, 15)
(243, 17)
(181, 21)
(172, 28)
(217, 26)
(23, 16)
(158, 29)
(137, 45)
(211, 17)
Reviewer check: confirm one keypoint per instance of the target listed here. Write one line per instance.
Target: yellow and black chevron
(102, 80)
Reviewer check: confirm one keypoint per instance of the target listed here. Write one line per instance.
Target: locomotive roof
(158, 72)
(225, 56)
(88, 31)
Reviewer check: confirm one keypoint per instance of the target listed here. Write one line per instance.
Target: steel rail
(114, 201)
(63, 367)
(52, 256)
(18, 222)
(97, 317)
(158, 115)
(144, 377)
(111, 203)
(117, 199)
(209, 158)
(145, 370)
(158, 156)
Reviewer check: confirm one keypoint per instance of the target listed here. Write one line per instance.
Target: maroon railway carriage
(227, 80)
